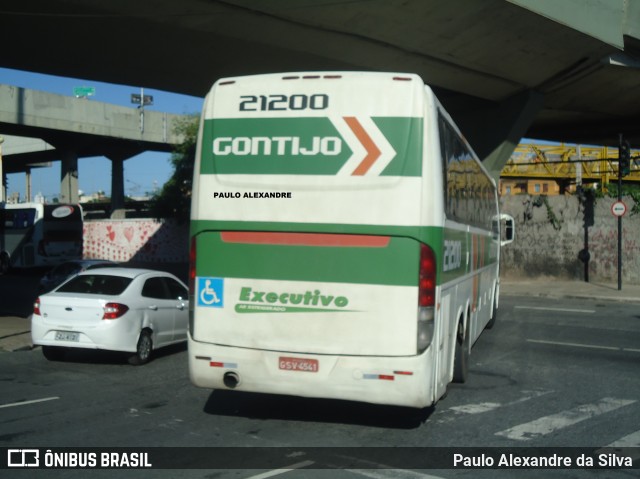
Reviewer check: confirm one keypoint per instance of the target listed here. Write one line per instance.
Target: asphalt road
(551, 373)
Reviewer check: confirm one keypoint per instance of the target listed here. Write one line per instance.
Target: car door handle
(153, 307)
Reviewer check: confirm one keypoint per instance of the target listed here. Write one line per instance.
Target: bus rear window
(18, 219)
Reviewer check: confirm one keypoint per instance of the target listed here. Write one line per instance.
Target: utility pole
(624, 168)
(141, 100)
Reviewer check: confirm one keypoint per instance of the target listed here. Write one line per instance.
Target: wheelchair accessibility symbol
(211, 292)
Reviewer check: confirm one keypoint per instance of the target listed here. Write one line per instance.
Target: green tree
(174, 198)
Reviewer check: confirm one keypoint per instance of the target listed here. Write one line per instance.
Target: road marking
(374, 470)
(378, 470)
(629, 441)
(558, 310)
(25, 403)
(548, 424)
(579, 345)
(476, 408)
(632, 440)
(490, 406)
(392, 474)
(277, 472)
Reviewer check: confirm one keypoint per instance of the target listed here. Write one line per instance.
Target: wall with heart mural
(143, 240)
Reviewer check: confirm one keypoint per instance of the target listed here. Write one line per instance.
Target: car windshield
(96, 284)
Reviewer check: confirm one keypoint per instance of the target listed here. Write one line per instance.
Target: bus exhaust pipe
(231, 380)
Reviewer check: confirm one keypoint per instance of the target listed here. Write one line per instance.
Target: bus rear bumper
(400, 381)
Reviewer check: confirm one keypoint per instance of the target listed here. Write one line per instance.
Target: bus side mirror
(507, 229)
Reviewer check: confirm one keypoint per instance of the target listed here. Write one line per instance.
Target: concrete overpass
(556, 70)
(71, 128)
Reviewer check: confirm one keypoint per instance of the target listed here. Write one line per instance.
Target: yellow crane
(569, 164)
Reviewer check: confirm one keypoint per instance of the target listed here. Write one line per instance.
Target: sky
(94, 174)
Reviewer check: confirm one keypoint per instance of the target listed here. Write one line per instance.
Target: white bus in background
(345, 240)
(35, 234)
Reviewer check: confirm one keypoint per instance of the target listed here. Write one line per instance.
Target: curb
(14, 342)
(28, 347)
(14, 334)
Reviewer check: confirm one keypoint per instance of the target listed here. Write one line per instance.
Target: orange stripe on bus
(373, 152)
(304, 239)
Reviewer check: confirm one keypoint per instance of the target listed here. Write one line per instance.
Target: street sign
(618, 208)
(83, 91)
(136, 98)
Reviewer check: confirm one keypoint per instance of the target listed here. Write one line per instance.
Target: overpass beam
(69, 177)
(495, 131)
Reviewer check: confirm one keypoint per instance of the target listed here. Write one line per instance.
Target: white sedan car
(117, 309)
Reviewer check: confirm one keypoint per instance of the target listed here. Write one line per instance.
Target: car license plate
(67, 336)
(299, 364)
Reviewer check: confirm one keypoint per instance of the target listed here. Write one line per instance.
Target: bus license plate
(299, 364)
(67, 336)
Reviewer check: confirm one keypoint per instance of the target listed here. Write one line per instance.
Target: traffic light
(624, 158)
(586, 198)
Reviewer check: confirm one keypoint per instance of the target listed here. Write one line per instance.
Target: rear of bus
(62, 233)
(313, 234)
(34, 234)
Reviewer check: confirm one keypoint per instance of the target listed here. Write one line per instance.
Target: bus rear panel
(317, 239)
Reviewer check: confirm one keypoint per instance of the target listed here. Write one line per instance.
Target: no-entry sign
(618, 208)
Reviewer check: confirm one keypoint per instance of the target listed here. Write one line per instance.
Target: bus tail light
(114, 310)
(426, 297)
(36, 307)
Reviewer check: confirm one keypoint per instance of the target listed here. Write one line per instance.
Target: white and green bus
(345, 240)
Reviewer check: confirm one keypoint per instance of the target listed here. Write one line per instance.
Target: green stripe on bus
(396, 264)
(302, 146)
(384, 268)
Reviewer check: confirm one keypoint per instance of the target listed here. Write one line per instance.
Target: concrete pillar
(117, 187)
(27, 186)
(69, 177)
(495, 131)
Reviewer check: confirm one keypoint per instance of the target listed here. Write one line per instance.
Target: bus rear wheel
(461, 360)
(494, 311)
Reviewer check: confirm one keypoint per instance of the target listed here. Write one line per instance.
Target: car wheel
(53, 353)
(461, 361)
(143, 349)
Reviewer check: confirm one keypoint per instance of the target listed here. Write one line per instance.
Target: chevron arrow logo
(372, 152)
